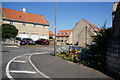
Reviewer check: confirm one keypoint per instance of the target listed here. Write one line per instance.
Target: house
(64, 35)
(116, 18)
(29, 25)
(51, 35)
(83, 32)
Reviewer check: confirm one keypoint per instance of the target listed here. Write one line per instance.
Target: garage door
(44, 37)
(23, 35)
(34, 37)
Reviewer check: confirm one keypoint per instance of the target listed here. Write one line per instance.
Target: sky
(68, 13)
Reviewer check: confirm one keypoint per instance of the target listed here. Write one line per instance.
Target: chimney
(24, 10)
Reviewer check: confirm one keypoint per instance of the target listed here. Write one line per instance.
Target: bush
(96, 53)
(9, 31)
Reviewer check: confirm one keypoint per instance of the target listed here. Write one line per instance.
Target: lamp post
(55, 27)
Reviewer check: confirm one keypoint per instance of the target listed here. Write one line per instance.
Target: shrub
(95, 55)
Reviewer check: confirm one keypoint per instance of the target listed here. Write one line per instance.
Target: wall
(70, 38)
(113, 46)
(79, 33)
(30, 29)
(80, 26)
(82, 38)
(64, 38)
(113, 56)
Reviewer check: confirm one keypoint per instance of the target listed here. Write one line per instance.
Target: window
(62, 33)
(66, 33)
(34, 25)
(11, 22)
(43, 25)
(24, 24)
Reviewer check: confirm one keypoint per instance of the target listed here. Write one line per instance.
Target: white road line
(7, 67)
(19, 50)
(42, 53)
(19, 61)
(37, 69)
(12, 46)
(17, 71)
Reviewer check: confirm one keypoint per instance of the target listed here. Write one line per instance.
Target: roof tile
(20, 16)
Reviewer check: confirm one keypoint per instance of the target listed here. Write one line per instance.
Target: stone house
(63, 35)
(82, 33)
(51, 35)
(29, 25)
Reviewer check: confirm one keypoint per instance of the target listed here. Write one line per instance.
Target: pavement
(55, 67)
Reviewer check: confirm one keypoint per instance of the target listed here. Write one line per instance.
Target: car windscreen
(27, 39)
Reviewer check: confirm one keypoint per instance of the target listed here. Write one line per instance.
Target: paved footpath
(55, 67)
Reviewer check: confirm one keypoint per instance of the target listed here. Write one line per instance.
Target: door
(44, 37)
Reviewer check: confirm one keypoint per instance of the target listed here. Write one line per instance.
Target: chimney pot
(24, 10)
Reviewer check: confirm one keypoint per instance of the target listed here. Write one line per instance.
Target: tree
(9, 31)
(97, 51)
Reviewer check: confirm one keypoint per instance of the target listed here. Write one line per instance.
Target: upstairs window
(43, 25)
(34, 25)
(11, 22)
(66, 33)
(24, 24)
(62, 33)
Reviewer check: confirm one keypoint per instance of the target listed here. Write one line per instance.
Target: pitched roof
(64, 31)
(51, 33)
(93, 26)
(20, 16)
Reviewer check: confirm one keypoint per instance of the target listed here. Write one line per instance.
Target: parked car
(42, 41)
(25, 41)
(18, 38)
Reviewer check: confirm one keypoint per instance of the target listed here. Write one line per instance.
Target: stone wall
(113, 46)
(30, 29)
(113, 56)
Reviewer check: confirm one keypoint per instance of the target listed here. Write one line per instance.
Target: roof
(20, 16)
(93, 26)
(51, 33)
(64, 31)
(115, 6)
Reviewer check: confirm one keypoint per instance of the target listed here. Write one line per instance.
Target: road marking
(19, 50)
(17, 71)
(7, 67)
(37, 69)
(42, 53)
(12, 46)
(19, 61)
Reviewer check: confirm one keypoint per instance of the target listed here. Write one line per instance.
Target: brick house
(29, 25)
(82, 32)
(63, 35)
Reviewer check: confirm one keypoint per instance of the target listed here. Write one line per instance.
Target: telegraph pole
(86, 35)
(55, 27)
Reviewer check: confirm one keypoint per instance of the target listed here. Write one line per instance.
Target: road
(36, 62)
(20, 67)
